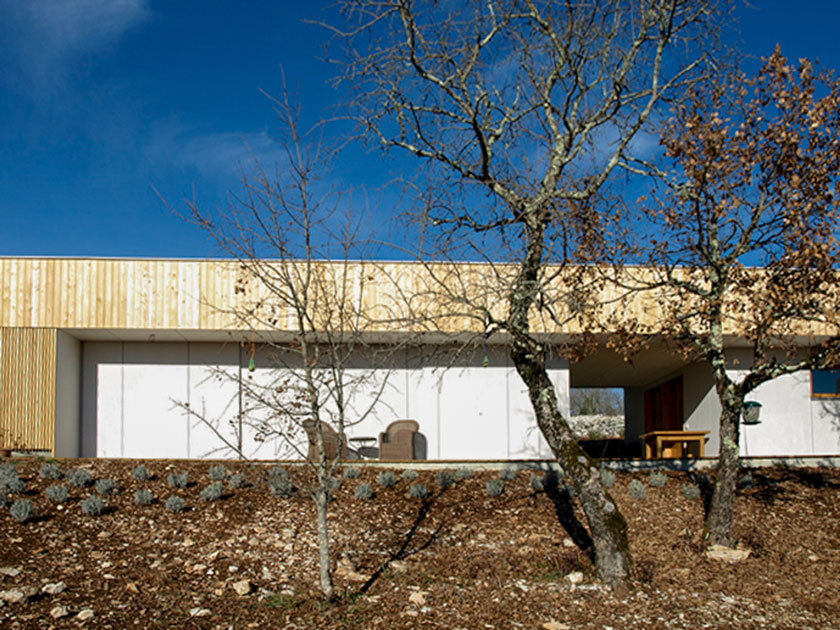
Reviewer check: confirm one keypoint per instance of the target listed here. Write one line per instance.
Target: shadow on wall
(531, 445)
(830, 408)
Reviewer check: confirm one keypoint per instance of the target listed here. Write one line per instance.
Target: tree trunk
(323, 543)
(607, 526)
(722, 511)
(606, 523)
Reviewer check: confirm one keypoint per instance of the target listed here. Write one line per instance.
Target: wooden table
(674, 444)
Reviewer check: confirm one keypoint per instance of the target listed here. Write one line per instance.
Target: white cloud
(216, 155)
(42, 42)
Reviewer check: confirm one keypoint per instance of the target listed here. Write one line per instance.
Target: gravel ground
(459, 559)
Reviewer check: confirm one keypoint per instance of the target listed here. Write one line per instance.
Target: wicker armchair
(399, 441)
(331, 441)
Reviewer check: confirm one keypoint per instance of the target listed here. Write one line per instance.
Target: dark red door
(664, 406)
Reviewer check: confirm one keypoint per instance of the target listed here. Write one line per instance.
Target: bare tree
(520, 112)
(742, 243)
(299, 293)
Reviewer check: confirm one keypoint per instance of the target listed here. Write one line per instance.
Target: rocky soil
(459, 559)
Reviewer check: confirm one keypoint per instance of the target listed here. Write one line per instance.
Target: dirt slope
(460, 559)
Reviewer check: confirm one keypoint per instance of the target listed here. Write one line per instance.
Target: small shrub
(175, 504)
(57, 493)
(351, 472)
(387, 478)
(50, 470)
(4, 500)
(495, 487)
(507, 474)
(218, 472)
(22, 510)
(13, 486)
(364, 491)
(10, 481)
(280, 484)
(8, 472)
(277, 471)
(658, 479)
(745, 481)
(141, 473)
(537, 483)
(236, 480)
(213, 492)
(107, 487)
(93, 505)
(332, 484)
(464, 473)
(178, 480)
(637, 490)
(445, 478)
(608, 478)
(409, 474)
(80, 478)
(690, 491)
(143, 496)
(418, 491)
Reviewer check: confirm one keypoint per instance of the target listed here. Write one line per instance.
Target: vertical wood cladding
(148, 294)
(157, 294)
(27, 388)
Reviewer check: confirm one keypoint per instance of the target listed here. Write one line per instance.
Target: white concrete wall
(701, 408)
(133, 398)
(101, 372)
(154, 380)
(825, 426)
(68, 387)
(213, 395)
(792, 423)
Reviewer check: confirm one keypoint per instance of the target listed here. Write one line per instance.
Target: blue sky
(104, 101)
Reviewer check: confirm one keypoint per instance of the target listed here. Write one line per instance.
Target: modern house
(152, 358)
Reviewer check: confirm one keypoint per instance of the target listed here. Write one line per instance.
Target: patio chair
(331, 442)
(402, 441)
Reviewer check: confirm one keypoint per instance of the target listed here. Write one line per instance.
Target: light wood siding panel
(27, 388)
(199, 295)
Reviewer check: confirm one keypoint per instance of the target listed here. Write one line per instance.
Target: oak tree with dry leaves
(741, 241)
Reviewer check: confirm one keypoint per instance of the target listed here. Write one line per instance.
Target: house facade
(152, 358)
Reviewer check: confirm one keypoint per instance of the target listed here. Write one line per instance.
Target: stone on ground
(54, 588)
(59, 611)
(85, 614)
(727, 554)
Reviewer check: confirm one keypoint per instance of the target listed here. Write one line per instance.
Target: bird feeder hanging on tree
(750, 412)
